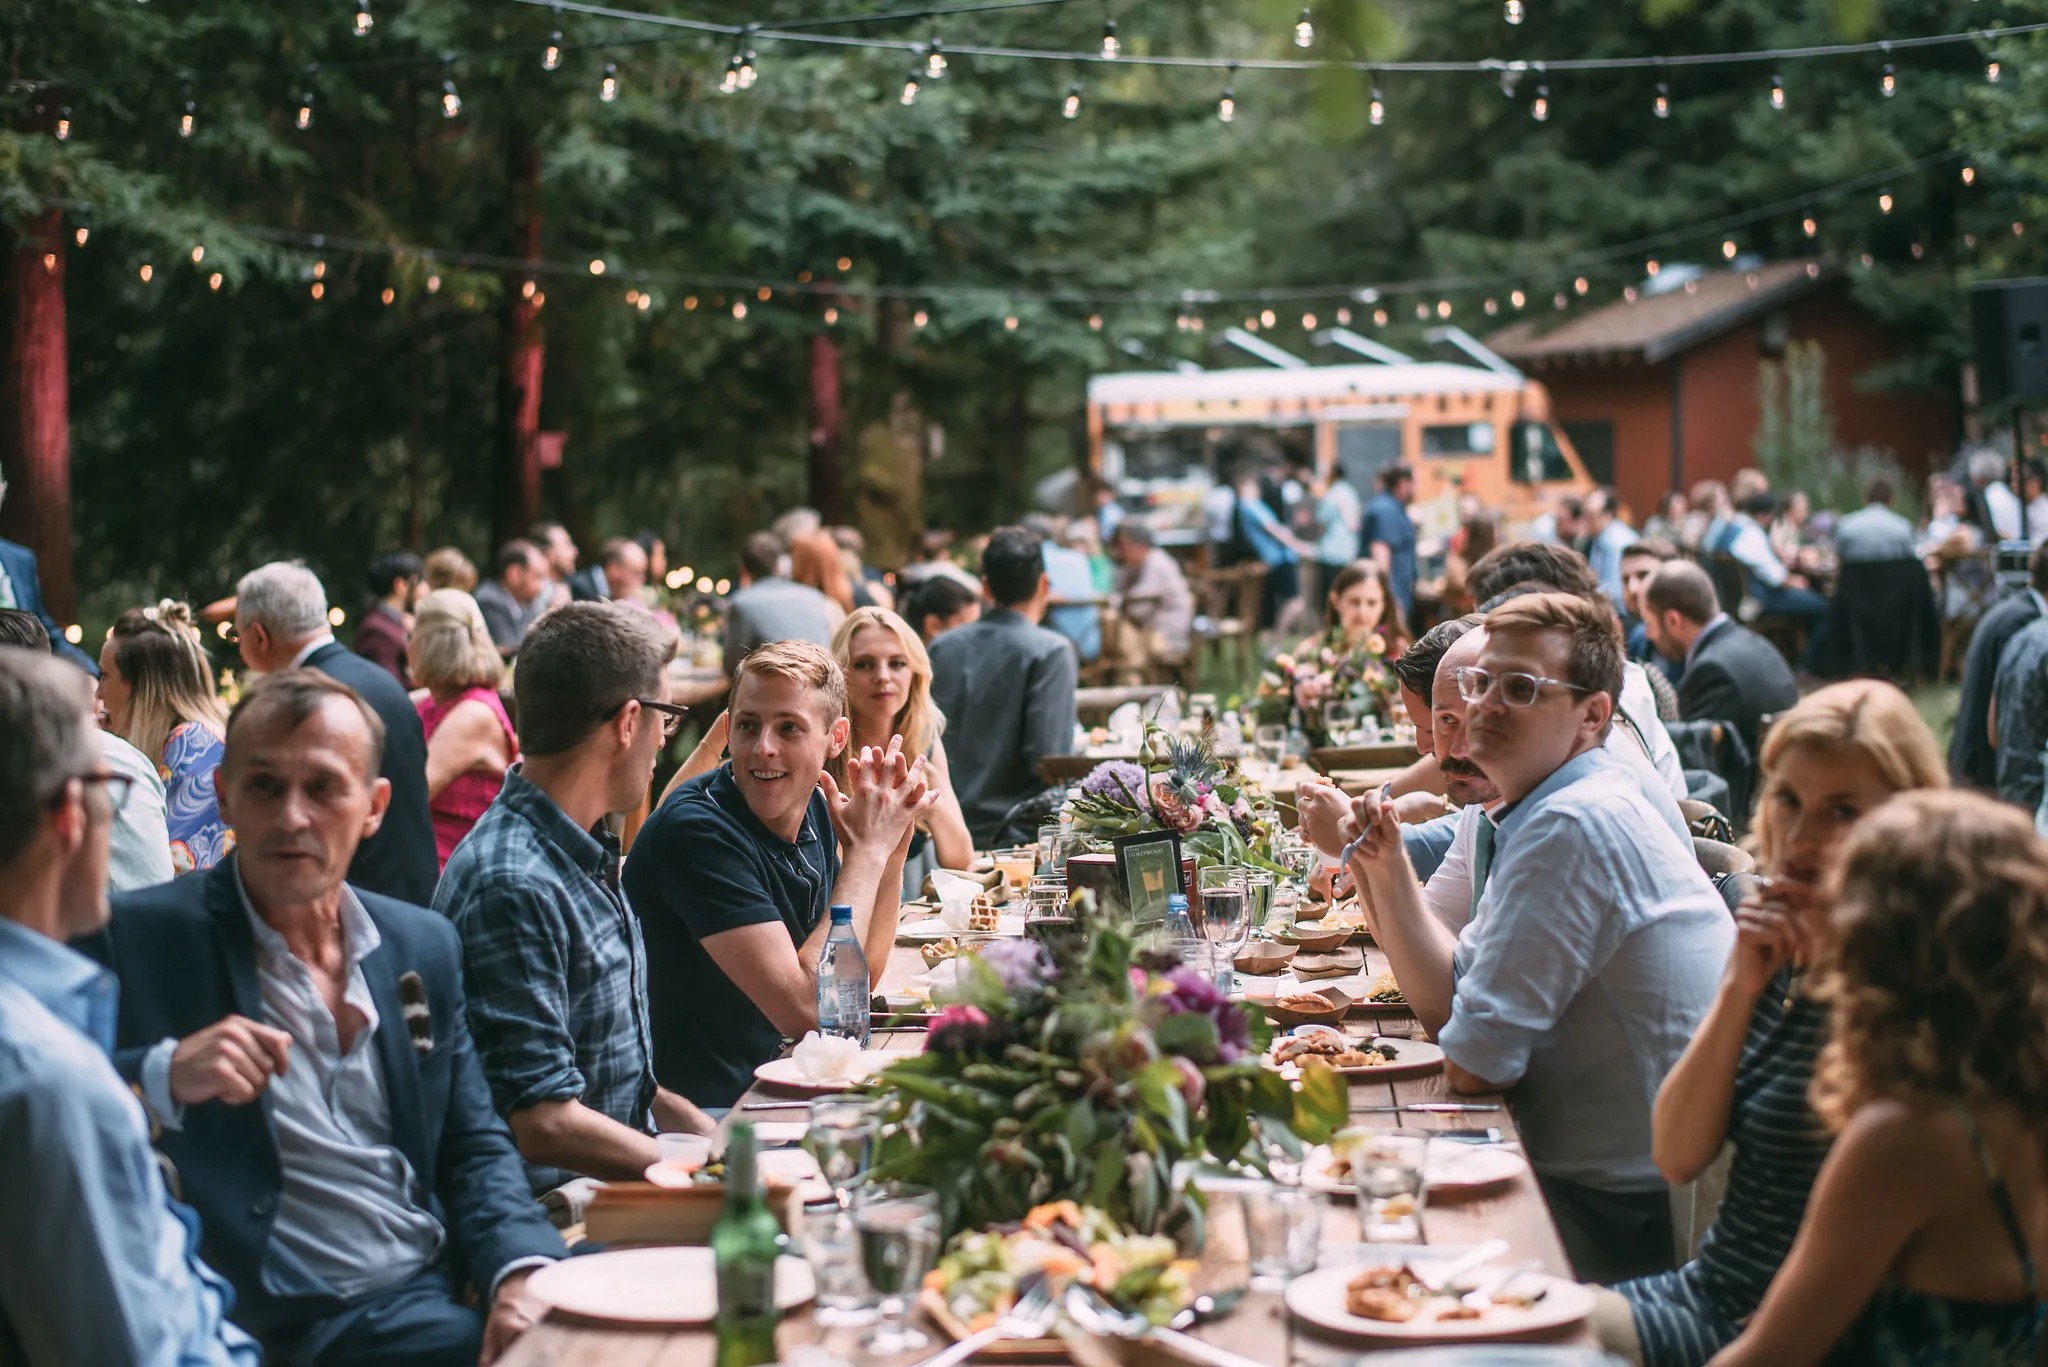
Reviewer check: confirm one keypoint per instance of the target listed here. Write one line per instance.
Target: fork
(1029, 1318)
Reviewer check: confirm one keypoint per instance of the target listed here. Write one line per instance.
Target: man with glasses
(96, 1263)
(556, 969)
(1596, 941)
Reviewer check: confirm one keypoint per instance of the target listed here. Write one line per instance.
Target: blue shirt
(1604, 555)
(1071, 576)
(1595, 952)
(1340, 517)
(97, 1264)
(1387, 524)
(1875, 532)
(1262, 530)
(552, 958)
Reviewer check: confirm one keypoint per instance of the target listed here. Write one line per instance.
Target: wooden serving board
(1047, 1349)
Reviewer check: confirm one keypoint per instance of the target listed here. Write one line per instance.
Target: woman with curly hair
(1930, 1215)
(1838, 754)
(157, 691)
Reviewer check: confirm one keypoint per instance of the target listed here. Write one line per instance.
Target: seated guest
(1933, 1067)
(1597, 940)
(2034, 490)
(1874, 532)
(157, 691)
(732, 877)
(889, 697)
(380, 635)
(552, 952)
(1776, 589)
(1358, 609)
(97, 1264)
(1638, 563)
(139, 851)
(1972, 758)
(1419, 793)
(515, 595)
(938, 603)
(815, 562)
(559, 548)
(301, 1044)
(2018, 727)
(470, 741)
(281, 623)
(1731, 673)
(1014, 682)
(1668, 521)
(1152, 594)
(769, 607)
(448, 568)
(1607, 538)
(622, 568)
(931, 555)
(1842, 752)
(22, 587)
(1072, 580)
(870, 588)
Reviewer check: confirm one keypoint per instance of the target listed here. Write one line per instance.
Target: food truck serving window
(1458, 439)
(1537, 457)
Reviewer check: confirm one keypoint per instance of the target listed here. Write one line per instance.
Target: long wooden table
(1259, 1328)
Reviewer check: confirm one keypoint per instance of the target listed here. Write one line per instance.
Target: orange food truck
(1163, 439)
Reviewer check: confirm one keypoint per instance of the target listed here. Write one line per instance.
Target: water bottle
(1180, 931)
(843, 987)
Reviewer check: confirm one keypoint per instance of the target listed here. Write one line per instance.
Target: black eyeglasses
(118, 787)
(671, 716)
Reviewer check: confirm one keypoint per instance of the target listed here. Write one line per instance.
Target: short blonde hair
(450, 647)
(1596, 657)
(918, 721)
(803, 663)
(1862, 715)
(448, 568)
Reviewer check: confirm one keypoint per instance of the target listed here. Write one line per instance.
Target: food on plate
(978, 1273)
(1304, 1002)
(1334, 1050)
(1385, 990)
(982, 914)
(937, 952)
(1389, 1294)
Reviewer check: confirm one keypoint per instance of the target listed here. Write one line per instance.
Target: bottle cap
(841, 913)
(1176, 901)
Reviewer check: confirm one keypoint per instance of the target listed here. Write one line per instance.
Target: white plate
(1413, 1058)
(923, 932)
(784, 1073)
(1450, 1166)
(653, 1286)
(1318, 1299)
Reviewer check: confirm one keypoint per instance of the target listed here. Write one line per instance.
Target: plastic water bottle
(1180, 931)
(843, 1000)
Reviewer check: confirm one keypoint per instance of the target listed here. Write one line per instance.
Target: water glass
(1258, 889)
(1223, 917)
(831, 1245)
(841, 1136)
(1047, 898)
(684, 1152)
(1387, 1170)
(1284, 1226)
(1051, 855)
(898, 1229)
(1340, 722)
(1272, 743)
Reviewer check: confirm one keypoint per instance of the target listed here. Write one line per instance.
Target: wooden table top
(1259, 1328)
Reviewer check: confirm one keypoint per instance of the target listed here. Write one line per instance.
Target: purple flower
(1120, 781)
(1020, 965)
(1190, 992)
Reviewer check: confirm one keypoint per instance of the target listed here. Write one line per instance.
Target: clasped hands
(884, 798)
(1364, 831)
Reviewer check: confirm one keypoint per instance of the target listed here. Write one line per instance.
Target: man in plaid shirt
(552, 956)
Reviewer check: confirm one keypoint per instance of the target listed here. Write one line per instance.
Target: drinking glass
(1387, 1170)
(1258, 890)
(1050, 854)
(683, 1152)
(841, 1136)
(1271, 742)
(1340, 722)
(831, 1245)
(1224, 917)
(1284, 1226)
(898, 1228)
(1047, 897)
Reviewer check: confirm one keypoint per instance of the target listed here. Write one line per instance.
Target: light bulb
(1728, 249)
(388, 296)
(1308, 322)
(730, 82)
(1110, 46)
(644, 302)
(919, 319)
(1010, 323)
(82, 236)
(187, 120)
(1581, 285)
(1443, 308)
(739, 308)
(1662, 106)
(451, 102)
(319, 291)
(319, 270)
(1889, 82)
(1518, 299)
(1884, 202)
(1558, 300)
(1969, 175)
(305, 119)
(551, 55)
(1095, 322)
(198, 255)
(63, 129)
(1304, 30)
(1512, 11)
(597, 265)
(1377, 110)
(1267, 318)
(909, 95)
(1492, 307)
(1652, 266)
(608, 88)
(1344, 318)
(1379, 318)
(1810, 226)
(1072, 108)
(831, 317)
(433, 284)
(1421, 313)
(1540, 110)
(748, 73)
(1777, 92)
(1992, 71)
(363, 22)
(934, 60)
(1226, 107)
(213, 281)
(146, 272)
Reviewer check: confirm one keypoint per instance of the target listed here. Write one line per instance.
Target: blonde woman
(889, 694)
(470, 741)
(1840, 753)
(157, 693)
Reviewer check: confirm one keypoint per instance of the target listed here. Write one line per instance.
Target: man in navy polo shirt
(732, 876)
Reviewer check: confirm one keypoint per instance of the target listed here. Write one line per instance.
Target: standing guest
(1638, 563)
(1360, 612)
(448, 568)
(1607, 538)
(1104, 507)
(1013, 680)
(380, 635)
(21, 587)
(470, 741)
(1990, 502)
(1731, 674)
(1341, 516)
(622, 568)
(1874, 532)
(560, 549)
(551, 950)
(770, 607)
(1972, 758)
(97, 1264)
(1843, 751)
(1597, 940)
(870, 588)
(939, 603)
(1389, 534)
(1563, 525)
(157, 692)
(1152, 594)
(889, 698)
(796, 522)
(2034, 490)
(2018, 725)
(930, 556)
(1266, 539)
(733, 875)
(814, 562)
(1936, 1050)
(1072, 580)
(656, 551)
(300, 1044)
(515, 595)
(281, 623)
(139, 851)
(1669, 520)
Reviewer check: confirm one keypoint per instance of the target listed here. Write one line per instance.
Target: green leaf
(1080, 1125)
(1158, 1086)
(1322, 1104)
(1189, 1034)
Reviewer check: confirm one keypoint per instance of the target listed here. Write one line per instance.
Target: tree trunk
(827, 481)
(521, 361)
(35, 410)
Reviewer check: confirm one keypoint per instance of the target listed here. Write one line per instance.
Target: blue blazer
(185, 957)
(20, 563)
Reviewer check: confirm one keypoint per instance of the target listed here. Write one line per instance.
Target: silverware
(1439, 1276)
(1030, 1318)
(775, 1105)
(1430, 1108)
(1092, 1313)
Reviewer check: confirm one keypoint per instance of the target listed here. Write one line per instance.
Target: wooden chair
(1732, 587)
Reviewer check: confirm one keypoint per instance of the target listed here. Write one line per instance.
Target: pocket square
(419, 1021)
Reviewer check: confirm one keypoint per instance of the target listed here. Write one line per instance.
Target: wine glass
(898, 1227)
(1340, 721)
(1224, 917)
(841, 1136)
(1271, 741)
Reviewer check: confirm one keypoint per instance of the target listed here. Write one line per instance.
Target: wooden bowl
(1261, 957)
(1338, 1004)
(1313, 939)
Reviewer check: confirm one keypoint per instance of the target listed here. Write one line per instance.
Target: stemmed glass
(841, 1136)
(1340, 721)
(1224, 917)
(898, 1226)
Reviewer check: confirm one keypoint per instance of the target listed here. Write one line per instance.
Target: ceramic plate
(1413, 1058)
(784, 1073)
(1318, 1299)
(1451, 1167)
(653, 1286)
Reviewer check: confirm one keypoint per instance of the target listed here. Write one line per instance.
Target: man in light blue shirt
(96, 1263)
(1874, 532)
(1610, 536)
(1073, 582)
(1595, 945)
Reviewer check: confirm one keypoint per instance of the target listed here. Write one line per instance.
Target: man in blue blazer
(21, 587)
(304, 1048)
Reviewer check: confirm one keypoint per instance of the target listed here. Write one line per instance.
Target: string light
(608, 88)
(388, 295)
(1581, 285)
(1884, 200)
(1558, 301)
(1492, 307)
(49, 263)
(1728, 249)
(831, 317)
(81, 236)
(451, 101)
(1969, 175)
(597, 265)
(1443, 308)
(1540, 110)
(1304, 30)
(739, 308)
(1888, 84)
(1518, 299)
(1377, 110)
(319, 270)
(1308, 322)
(1226, 107)
(764, 294)
(1072, 108)
(730, 82)
(433, 284)
(934, 60)
(551, 55)
(1662, 106)
(1777, 92)
(213, 281)
(1379, 318)
(319, 291)
(364, 21)
(198, 255)
(1095, 322)
(1652, 266)
(189, 119)
(643, 303)
(1810, 226)
(63, 129)
(526, 291)
(1343, 318)
(909, 95)
(748, 72)
(919, 319)
(305, 119)
(1512, 11)
(146, 272)
(1110, 47)
(1010, 323)
(1267, 318)
(1992, 71)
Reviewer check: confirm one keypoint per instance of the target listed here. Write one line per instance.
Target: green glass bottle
(744, 1244)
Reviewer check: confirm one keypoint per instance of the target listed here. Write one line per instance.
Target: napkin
(943, 979)
(956, 900)
(828, 1058)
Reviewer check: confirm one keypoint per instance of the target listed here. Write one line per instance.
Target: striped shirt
(1686, 1316)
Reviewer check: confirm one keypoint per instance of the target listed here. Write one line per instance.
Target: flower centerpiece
(1189, 790)
(1333, 670)
(1103, 1083)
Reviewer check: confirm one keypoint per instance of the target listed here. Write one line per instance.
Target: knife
(1431, 1108)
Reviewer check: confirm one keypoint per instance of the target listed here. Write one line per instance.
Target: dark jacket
(1006, 689)
(185, 957)
(1738, 677)
(399, 860)
(20, 564)
(1971, 760)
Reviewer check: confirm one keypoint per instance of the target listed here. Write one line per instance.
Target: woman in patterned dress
(157, 693)
(1839, 753)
